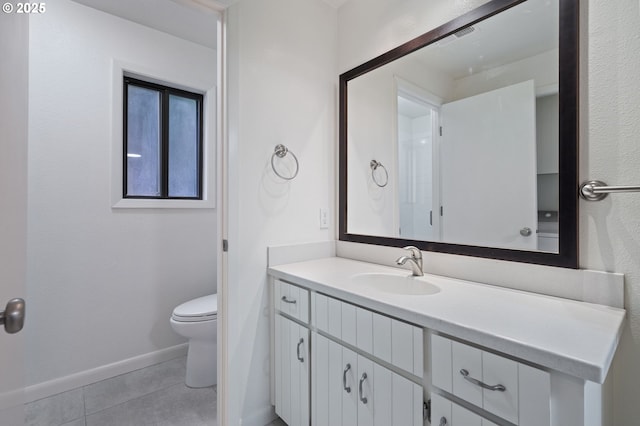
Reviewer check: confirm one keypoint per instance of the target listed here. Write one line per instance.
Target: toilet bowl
(197, 320)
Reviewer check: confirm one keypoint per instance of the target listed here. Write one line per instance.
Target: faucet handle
(415, 251)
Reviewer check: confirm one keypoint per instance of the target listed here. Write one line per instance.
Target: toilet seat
(201, 309)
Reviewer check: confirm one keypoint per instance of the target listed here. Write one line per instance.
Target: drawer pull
(301, 359)
(443, 421)
(483, 385)
(363, 399)
(285, 300)
(344, 378)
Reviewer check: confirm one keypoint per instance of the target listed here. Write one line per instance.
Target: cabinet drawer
(386, 338)
(292, 300)
(504, 387)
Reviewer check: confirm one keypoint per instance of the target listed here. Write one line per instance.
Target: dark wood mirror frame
(568, 140)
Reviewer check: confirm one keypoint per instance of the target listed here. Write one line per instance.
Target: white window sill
(132, 203)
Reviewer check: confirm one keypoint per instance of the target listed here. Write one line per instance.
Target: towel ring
(374, 166)
(281, 151)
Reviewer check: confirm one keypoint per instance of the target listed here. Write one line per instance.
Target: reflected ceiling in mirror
(464, 139)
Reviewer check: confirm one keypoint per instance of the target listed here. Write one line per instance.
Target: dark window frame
(164, 93)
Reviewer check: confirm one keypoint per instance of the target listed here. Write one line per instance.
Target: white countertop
(573, 337)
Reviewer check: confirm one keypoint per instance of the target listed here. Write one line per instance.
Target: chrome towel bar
(596, 190)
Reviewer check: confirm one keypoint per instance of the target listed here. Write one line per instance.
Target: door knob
(525, 232)
(13, 316)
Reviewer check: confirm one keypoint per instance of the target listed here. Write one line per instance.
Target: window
(162, 142)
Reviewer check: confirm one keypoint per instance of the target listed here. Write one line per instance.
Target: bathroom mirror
(464, 140)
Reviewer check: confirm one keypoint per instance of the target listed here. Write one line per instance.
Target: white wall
(282, 89)
(610, 229)
(609, 149)
(102, 282)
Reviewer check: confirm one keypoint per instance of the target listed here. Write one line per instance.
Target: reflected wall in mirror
(475, 124)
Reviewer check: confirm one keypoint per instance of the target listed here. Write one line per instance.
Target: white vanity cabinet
(292, 355)
(508, 389)
(545, 351)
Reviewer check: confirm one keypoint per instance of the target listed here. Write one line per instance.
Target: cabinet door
(365, 389)
(350, 395)
(283, 369)
(404, 404)
(327, 387)
(292, 372)
(299, 347)
(396, 399)
(383, 396)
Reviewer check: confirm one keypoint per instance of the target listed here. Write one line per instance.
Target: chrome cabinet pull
(13, 316)
(285, 300)
(443, 421)
(363, 399)
(483, 385)
(301, 359)
(344, 378)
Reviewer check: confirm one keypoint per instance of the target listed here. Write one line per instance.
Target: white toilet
(197, 320)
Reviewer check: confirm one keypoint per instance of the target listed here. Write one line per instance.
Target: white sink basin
(395, 284)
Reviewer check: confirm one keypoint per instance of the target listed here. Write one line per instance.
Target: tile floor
(152, 396)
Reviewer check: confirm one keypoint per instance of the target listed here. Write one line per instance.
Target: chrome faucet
(415, 258)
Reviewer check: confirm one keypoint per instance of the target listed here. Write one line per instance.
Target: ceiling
(521, 32)
(192, 20)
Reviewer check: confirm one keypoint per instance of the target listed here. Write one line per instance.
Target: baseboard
(87, 377)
